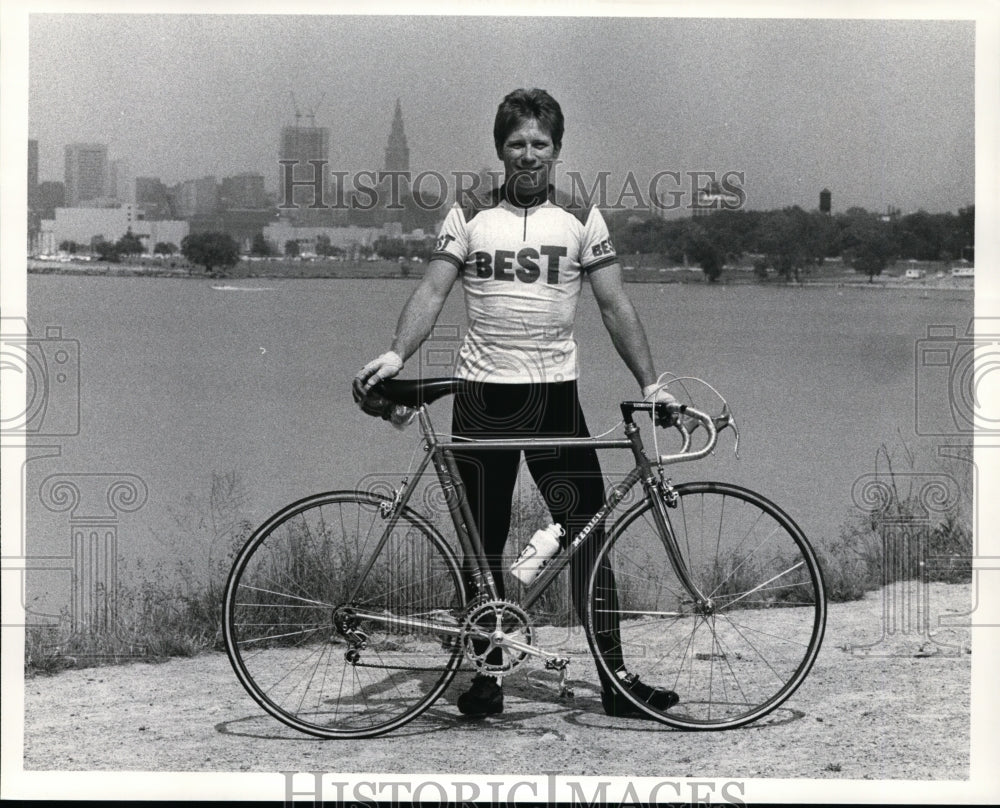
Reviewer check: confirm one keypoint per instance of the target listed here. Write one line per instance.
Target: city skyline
(880, 112)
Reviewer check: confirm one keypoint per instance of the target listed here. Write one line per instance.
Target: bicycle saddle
(414, 392)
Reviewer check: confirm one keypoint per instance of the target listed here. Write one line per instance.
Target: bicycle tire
(293, 577)
(731, 664)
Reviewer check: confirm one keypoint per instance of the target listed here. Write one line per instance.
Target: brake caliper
(667, 491)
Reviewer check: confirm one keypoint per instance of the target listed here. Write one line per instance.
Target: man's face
(527, 154)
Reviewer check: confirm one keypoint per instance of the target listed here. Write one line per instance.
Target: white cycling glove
(382, 367)
(657, 392)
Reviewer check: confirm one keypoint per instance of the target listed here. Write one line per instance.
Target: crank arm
(516, 645)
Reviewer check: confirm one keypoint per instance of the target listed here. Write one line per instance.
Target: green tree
(391, 249)
(106, 251)
(69, 246)
(129, 244)
(866, 242)
(701, 248)
(292, 248)
(164, 248)
(782, 237)
(260, 246)
(211, 250)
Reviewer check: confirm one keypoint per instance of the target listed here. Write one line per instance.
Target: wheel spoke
(287, 619)
(741, 650)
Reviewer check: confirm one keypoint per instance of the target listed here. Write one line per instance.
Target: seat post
(430, 436)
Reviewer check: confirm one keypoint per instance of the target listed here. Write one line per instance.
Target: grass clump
(156, 615)
(917, 526)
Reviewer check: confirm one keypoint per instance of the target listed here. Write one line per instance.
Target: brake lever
(724, 419)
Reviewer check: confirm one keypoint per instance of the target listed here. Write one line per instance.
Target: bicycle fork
(662, 496)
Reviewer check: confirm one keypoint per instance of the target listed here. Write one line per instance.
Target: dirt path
(899, 709)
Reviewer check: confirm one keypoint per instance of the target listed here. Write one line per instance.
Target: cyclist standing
(522, 255)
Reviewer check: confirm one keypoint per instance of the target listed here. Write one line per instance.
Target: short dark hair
(522, 105)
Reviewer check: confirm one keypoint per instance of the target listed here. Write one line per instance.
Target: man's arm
(415, 322)
(623, 324)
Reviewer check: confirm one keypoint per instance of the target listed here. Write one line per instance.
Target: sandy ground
(885, 700)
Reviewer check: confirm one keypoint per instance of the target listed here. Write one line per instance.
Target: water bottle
(401, 417)
(536, 553)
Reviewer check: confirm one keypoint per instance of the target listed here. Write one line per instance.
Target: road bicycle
(347, 613)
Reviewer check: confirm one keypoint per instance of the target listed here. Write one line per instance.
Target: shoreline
(390, 271)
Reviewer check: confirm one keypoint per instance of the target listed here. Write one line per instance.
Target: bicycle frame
(347, 613)
(440, 454)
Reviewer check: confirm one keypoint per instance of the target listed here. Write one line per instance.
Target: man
(522, 255)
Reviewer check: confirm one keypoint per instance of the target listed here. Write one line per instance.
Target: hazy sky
(880, 112)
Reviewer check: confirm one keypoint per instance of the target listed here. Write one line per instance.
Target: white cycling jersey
(521, 272)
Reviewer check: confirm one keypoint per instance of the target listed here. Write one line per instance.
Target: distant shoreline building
(86, 174)
(85, 226)
(397, 153)
(712, 198)
(302, 144)
(244, 191)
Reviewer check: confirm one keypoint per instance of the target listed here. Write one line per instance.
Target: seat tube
(458, 507)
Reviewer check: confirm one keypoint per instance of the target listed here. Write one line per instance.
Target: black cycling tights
(569, 480)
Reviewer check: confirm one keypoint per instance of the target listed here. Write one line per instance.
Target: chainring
(487, 628)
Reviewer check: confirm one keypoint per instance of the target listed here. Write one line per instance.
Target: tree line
(792, 240)
(788, 241)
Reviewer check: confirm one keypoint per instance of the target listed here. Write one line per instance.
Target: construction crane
(295, 106)
(310, 113)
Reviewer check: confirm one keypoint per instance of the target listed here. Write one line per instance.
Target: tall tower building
(397, 153)
(825, 198)
(86, 173)
(302, 144)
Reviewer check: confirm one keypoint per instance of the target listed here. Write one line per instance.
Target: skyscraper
(242, 191)
(121, 185)
(397, 153)
(302, 144)
(152, 197)
(86, 173)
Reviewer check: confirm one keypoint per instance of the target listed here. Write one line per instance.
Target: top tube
(418, 393)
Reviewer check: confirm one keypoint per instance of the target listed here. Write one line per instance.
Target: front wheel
(329, 618)
(737, 652)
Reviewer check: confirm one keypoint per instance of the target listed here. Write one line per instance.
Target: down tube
(617, 494)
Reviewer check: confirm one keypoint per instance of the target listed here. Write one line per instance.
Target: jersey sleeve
(453, 241)
(597, 250)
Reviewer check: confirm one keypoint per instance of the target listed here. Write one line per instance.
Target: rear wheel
(294, 616)
(743, 650)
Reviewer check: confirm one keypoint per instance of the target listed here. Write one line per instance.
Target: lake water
(180, 380)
